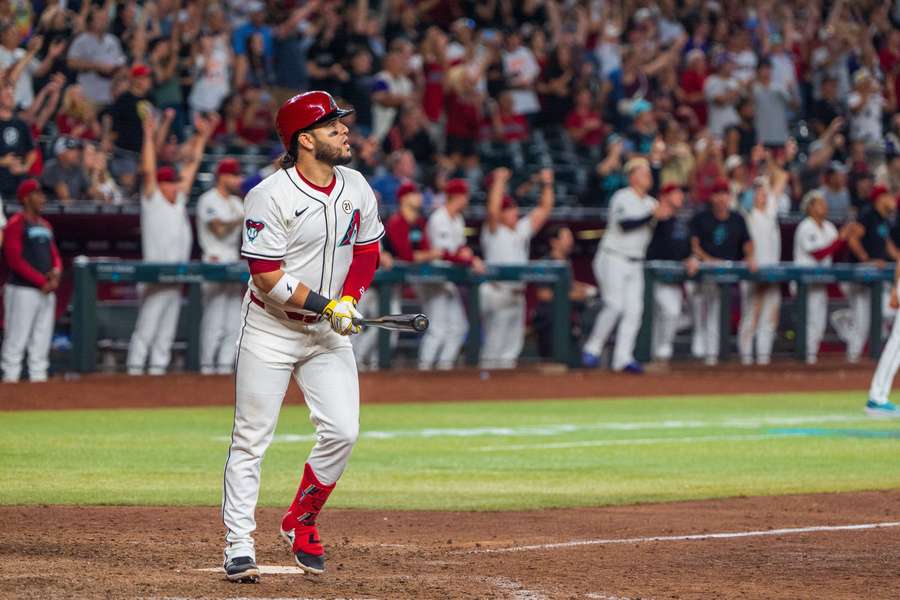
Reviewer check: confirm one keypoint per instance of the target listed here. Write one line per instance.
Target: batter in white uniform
(220, 214)
(618, 268)
(761, 302)
(448, 324)
(506, 239)
(311, 234)
(165, 238)
(816, 240)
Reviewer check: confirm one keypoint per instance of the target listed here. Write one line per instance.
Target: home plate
(263, 570)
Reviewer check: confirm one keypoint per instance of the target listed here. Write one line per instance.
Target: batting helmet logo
(304, 111)
(253, 228)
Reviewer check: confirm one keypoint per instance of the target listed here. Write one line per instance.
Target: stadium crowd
(731, 113)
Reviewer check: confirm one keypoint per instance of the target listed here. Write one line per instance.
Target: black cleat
(242, 569)
(310, 563)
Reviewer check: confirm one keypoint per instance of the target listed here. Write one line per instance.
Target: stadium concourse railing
(89, 272)
(726, 274)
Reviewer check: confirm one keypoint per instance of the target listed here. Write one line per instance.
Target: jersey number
(352, 229)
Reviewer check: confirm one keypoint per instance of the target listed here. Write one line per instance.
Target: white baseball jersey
(626, 205)
(212, 206)
(445, 232)
(310, 233)
(765, 232)
(165, 229)
(810, 237)
(507, 245)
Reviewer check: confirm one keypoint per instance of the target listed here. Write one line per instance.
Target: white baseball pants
(621, 284)
(888, 362)
(272, 351)
(668, 299)
(27, 327)
(709, 305)
(447, 327)
(859, 298)
(154, 331)
(695, 305)
(760, 310)
(365, 343)
(219, 327)
(503, 320)
(816, 320)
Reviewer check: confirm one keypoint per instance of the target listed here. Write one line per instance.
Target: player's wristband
(282, 291)
(316, 303)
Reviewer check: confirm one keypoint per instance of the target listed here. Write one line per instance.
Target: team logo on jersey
(253, 228)
(347, 206)
(352, 229)
(720, 234)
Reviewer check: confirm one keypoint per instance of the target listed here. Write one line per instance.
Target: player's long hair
(289, 158)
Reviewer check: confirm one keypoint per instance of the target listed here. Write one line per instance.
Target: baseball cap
(407, 187)
(140, 70)
(508, 202)
(721, 186)
(456, 186)
(65, 143)
(670, 187)
(759, 182)
(27, 187)
(640, 106)
(733, 162)
(228, 166)
(167, 175)
(808, 199)
(835, 167)
(635, 163)
(878, 190)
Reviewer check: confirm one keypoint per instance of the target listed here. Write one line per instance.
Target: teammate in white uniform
(816, 240)
(220, 214)
(165, 238)
(506, 239)
(311, 234)
(878, 404)
(761, 302)
(618, 268)
(448, 324)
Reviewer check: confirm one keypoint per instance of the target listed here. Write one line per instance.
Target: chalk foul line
(690, 537)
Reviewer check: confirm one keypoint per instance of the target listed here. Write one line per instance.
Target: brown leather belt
(290, 315)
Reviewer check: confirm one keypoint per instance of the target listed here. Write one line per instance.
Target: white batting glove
(341, 315)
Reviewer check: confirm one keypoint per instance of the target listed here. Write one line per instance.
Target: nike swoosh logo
(297, 213)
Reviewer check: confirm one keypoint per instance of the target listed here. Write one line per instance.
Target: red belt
(290, 315)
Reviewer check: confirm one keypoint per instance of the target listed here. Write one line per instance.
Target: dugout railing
(88, 273)
(725, 275)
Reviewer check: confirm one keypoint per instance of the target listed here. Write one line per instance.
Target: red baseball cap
(407, 187)
(721, 186)
(508, 202)
(669, 188)
(28, 186)
(456, 186)
(877, 191)
(305, 110)
(228, 166)
(166, 175)
(140, 70)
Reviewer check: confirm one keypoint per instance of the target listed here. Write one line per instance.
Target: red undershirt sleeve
(362, 270)
(258, 265)
(828, 250)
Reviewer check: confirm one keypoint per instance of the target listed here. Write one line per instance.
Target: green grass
(600, 452)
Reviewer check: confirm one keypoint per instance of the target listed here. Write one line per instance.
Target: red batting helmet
(305, 110)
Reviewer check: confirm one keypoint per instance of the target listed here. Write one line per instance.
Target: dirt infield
(116, 391)
(55, 552)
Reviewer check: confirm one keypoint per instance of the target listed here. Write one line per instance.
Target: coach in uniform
(618, 268)
(448, 324)
(870, 243)
(671, 241)
(220, 214)
(718, 234)
(29, 301)
(311, 237)
(506, 239)
(165, 238)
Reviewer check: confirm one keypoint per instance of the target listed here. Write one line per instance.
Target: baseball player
(442, 302)
(671, 241)
(311, 237)
(506, 239)
(870, 243)
(220, 215)
(165, 238)
(761, 302)
(29, 301)
(878, 404)
(618, 268)
(718, 234)
(816, 241)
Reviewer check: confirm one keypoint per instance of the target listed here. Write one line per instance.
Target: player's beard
(330, 155)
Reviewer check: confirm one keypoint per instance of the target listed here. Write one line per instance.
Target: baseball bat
(415, 323)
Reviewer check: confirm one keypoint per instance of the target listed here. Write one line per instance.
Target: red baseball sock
(301, 517)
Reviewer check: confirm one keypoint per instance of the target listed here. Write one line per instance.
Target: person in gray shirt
(834, 189)
(96, 55)
(65, 177)
(772, 103)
